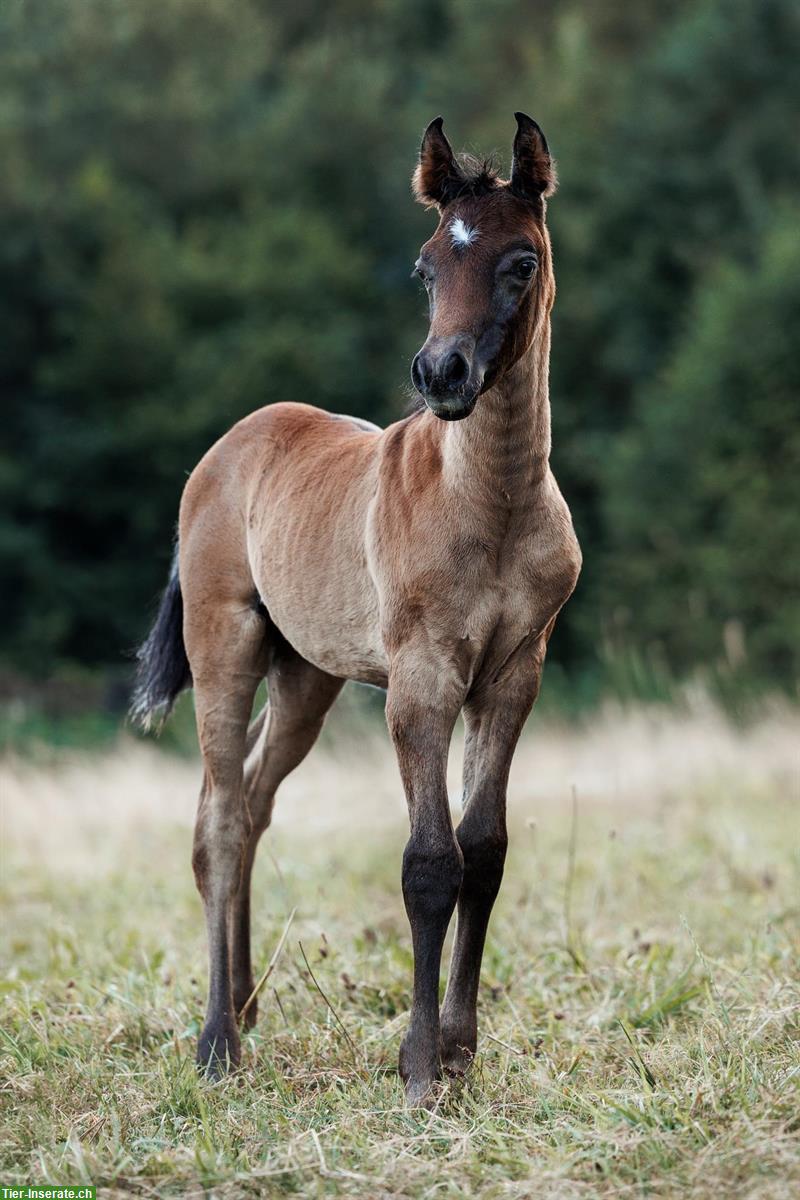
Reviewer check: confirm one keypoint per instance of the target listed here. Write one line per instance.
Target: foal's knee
(431, 881)
(484, 852)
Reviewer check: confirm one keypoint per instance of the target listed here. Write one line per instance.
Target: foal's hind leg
(226, 645)
(281, 736)
(494, 720)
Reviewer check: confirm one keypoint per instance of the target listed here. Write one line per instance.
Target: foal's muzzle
(444, 373)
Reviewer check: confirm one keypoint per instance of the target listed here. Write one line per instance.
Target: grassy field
(640, 1003)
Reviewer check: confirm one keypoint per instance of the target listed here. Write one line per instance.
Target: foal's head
(487, 268)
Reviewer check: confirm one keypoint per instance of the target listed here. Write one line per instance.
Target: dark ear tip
(436, 123)
(527, 124)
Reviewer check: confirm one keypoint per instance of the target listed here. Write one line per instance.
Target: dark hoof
(458, 1052)
(457, 1060)
(218, 1052)
(420, 1072)
(421, 1093)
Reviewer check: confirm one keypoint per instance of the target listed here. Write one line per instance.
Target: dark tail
(163, 670)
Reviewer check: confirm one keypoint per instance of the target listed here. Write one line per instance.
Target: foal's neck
(501, 451)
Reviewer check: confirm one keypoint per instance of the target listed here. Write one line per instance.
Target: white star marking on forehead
(461, 233)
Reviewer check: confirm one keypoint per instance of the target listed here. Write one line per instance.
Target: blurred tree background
(204, 207)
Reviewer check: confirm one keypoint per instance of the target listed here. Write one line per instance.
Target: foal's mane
(481, 176)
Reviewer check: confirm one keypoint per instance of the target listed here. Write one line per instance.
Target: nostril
(456, 370)
(421, 373)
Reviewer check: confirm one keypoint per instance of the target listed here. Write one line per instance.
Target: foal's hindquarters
(232, 644)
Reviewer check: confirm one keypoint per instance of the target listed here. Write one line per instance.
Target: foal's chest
(530, 571)
(520, 602)
(491, 595)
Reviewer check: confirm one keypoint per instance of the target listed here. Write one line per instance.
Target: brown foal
(430, 558)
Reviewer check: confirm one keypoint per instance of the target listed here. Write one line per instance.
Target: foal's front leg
(421, 720)
(494, 719)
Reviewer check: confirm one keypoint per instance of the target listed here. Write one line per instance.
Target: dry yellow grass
(91, 805)
(640, 1012)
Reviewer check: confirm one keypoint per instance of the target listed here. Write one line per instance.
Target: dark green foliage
(687, 169)
(705, 482)
(204, 207)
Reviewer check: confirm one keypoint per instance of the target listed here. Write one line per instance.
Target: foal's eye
(525, 268)
(420, 272)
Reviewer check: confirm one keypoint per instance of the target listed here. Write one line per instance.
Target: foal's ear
(533, 172)
(438, 178)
